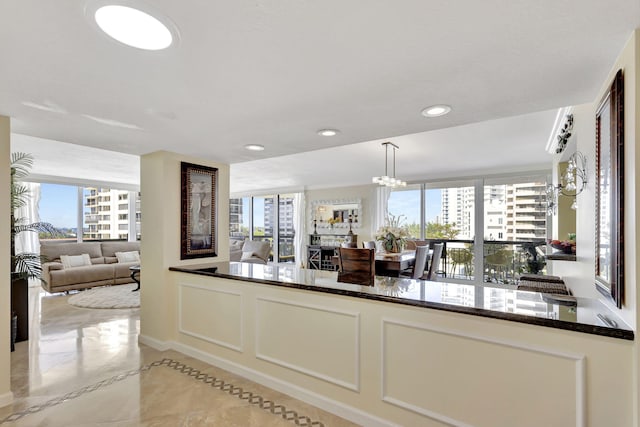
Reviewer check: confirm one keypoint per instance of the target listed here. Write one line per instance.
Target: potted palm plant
(24, 265)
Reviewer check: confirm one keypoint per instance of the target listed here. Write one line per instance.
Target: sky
(58, 205)
(407, 202)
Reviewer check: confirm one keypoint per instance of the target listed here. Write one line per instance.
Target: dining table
(392, 264)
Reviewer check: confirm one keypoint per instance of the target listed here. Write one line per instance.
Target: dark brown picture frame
(199, 211)
(609, 266)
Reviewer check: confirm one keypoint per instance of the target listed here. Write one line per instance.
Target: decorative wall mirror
(610, 192)
(329, 214)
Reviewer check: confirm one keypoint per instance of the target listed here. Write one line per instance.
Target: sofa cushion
(52, 250)
(72, 261)
(130, 256)
(109, 249)
(259, 249)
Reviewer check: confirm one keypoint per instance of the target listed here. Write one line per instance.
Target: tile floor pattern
(84, 367)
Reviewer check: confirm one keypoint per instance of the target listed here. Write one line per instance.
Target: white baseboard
(154, 343)
(323, 402)
(6, 399)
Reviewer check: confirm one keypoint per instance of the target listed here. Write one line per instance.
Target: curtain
(300, 228)
(28, 241)
(381, 204)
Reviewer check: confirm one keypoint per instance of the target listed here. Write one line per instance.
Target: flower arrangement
(333, 220)
(393, 235)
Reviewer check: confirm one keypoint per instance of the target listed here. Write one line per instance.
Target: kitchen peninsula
(405, 351)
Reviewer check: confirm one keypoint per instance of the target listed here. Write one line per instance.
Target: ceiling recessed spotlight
(133, 27)
(328, 132)
(254, 147)
(436, 110)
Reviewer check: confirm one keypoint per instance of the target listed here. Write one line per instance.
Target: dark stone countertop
(499, 303)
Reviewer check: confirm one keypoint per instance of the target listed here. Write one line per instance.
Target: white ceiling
(273, 72)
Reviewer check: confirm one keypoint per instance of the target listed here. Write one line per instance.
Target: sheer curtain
(381, 211)
(28, 241)
(300, 228)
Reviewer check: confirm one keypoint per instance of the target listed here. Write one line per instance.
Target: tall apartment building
(106, 213)
(511, 211)
(526, 211)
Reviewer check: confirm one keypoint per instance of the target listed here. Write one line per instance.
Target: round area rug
(117, 296)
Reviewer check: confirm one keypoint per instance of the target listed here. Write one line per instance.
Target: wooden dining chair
(420, 264)
(356, 266)
(432, 274)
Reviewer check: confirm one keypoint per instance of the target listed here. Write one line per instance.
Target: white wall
(6, 396)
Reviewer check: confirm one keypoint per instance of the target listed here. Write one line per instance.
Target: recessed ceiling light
(436, 110)
(133, 27)
(328, 132)
(254, 147)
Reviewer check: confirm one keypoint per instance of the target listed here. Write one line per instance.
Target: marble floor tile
(85, 367)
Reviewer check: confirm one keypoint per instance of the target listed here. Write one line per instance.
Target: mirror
(332, 214)
(610, 192)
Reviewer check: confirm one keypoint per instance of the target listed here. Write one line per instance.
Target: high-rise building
(513, 212)
(106, 213)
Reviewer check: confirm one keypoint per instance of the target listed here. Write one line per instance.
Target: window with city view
(513, 225)
(257, 218)
(104, 212)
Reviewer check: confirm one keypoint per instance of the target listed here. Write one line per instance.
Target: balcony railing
(503, 261)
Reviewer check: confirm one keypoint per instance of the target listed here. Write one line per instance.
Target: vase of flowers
(393, 235)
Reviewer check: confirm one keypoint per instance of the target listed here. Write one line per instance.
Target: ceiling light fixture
(133, 27)
(328, 132)
(386, 180)
(254, 147)
(436, 110)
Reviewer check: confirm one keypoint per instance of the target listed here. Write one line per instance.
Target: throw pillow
(246, 255)
(72, 261)
(131, 256)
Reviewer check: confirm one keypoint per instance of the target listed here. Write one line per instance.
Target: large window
(493, 229)
(270, 218)
(90, 213)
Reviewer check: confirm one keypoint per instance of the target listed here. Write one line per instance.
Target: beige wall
(5, 280)
(580, 275)
(160, 246)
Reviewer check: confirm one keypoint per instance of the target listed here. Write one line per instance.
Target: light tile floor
(84, 367)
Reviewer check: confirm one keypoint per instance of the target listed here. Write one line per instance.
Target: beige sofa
(104, 269)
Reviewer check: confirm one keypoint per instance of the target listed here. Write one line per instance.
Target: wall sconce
(572, 182)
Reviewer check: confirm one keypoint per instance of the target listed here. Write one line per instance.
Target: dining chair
(422, 253)
(369, 245)
(356, 266)
(432, 274)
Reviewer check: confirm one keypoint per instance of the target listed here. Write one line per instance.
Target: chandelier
(572, 182)
(386, 180)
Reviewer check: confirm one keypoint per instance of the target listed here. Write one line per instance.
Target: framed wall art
(199, 211)
(610, 192)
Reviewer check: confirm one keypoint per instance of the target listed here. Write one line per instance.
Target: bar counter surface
(589, 316)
